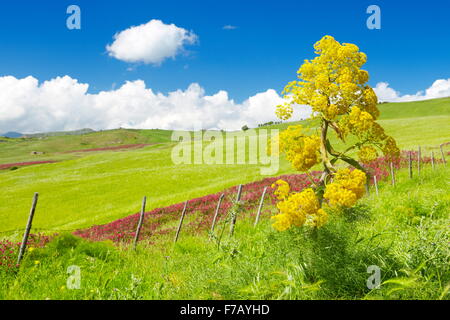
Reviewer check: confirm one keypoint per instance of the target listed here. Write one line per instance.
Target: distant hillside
(410, 123)
(52, 146)
(11, 134)
(58, 133)
(425, 108)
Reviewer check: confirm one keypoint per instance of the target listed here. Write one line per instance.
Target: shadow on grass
(339, 256)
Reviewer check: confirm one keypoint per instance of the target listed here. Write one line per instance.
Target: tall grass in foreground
(404, 231)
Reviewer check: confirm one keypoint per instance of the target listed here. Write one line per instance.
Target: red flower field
(200, 211)
(22, 164)
(123, 230)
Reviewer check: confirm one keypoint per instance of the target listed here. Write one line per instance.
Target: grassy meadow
(404, 231)
(86, 188)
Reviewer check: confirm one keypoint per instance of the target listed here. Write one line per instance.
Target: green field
(94, 188)
(59, 147)
(403, 232)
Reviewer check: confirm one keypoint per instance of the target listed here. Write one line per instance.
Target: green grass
(425, 131)
(95, 188)
(19, 150)
(103, 187)
(404, 232)
(416, 109)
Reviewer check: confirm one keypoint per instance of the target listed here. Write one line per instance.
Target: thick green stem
(328, 167)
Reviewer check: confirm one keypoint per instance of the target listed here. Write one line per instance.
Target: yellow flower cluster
(298, 209)
(303, 208)
(378, 136)
(301, 151)
(377, 133)
(282, 222)
(363, 125)
(369, 102)
(367, 154)
(357, 122)
(282, 189)
(390, 148)
(331, 82)
(284, 112)
(346, 189)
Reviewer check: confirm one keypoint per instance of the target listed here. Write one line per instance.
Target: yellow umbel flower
(320, 218)
(284, 111)
(346, 189)
(390, 148)
(330, 82)
(359, 121)
(282, 190)
(301, 151)
(367, 153)
(299, 209)
(337, 195)
(282, 222)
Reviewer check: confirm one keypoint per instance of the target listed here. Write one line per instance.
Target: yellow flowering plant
(335, 87)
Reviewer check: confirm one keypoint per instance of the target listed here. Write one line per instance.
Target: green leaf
(353, 163)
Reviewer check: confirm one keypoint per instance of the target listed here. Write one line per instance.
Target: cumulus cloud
(150, 43)
(439, 89)
(63, 103)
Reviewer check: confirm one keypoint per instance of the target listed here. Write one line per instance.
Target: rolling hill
(11, 134)
(82, 188)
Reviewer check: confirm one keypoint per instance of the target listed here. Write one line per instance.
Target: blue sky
(411, 50)
(270, 41)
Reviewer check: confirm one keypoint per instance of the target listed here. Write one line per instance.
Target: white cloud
(439, 89)
(65, 104)
(150, 43)
(229, 27)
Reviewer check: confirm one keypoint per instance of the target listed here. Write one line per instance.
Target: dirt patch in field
(23, 164)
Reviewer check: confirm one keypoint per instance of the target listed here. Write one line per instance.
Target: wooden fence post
(443, 154)
(217, 212)
(419, 156)
(23, 245)
(181, 222)
(260, 206)
(432, 159)
(392, 174)
(238, 199)
(375, 182)
(141, 220)
(410, 165)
